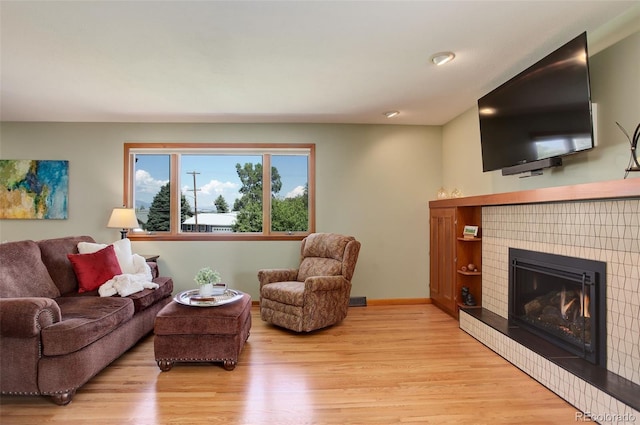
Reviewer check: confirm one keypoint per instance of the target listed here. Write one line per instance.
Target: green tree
(249, 218)
(221, 204)
(249, 205)
(291, 214)
(159, 218)
(185, 209)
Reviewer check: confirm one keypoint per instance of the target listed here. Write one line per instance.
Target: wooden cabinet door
(442, 262)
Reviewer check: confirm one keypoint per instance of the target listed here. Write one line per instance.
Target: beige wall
(615, 85)
(373, 182)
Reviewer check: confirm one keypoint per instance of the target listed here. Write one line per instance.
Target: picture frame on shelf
(470, 232)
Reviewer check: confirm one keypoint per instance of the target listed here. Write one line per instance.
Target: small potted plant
(209, 281)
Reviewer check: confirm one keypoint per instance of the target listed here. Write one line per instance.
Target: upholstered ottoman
(202, 334)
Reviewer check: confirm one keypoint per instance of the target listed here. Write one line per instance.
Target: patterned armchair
(315, 295)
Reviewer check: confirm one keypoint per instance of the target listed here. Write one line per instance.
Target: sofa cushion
(141, 300)
(122, 249)
(147, 297)
(92, 270)
(22, 272)
(54, 255)
(84, 321)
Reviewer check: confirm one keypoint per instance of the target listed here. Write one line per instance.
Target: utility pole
(195, 197)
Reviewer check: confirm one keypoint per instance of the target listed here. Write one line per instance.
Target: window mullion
(311, 187)
(129, 180)
(266, 194)
(174, 194)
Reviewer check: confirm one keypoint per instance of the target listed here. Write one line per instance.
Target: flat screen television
(540, 115)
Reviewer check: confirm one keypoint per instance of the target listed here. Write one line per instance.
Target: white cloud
(297, 191)
(145, 183)
(208, 192)
(215, 186)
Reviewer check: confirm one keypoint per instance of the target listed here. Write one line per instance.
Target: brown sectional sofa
(54, 339)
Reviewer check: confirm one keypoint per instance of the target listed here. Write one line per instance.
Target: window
(221, 191)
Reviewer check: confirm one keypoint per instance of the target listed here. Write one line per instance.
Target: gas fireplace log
(552, 316)
(534, 307)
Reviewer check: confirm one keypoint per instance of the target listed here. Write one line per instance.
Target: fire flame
(584, 304)
(564, 306)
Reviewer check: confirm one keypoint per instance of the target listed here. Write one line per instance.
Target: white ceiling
(272, 61)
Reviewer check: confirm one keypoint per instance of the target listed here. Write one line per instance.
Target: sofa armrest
(25, 317)
(155, 271)
(276, 275)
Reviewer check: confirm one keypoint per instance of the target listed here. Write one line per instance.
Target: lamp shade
(123, 218)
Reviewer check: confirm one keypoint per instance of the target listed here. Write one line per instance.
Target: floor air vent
(358, 302)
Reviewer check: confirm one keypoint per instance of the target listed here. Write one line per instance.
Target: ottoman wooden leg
(165, 365)
(229, 364)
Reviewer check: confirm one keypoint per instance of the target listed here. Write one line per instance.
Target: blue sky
(217, 176)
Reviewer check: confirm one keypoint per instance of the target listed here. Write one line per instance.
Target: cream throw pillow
(122, 249)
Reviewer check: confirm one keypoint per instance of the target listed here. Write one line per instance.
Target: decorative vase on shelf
(442, 193)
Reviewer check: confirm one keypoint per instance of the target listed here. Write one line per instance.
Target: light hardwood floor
(382, 365)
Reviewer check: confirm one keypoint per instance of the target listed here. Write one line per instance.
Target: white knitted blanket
(127, 284)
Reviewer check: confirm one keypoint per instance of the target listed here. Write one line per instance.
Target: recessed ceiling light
(391, 114)
(488, 111)
(442, 57)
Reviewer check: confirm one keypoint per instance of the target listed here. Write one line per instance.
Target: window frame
(175, 149)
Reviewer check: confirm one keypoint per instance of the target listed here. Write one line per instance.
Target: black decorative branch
(633, 141)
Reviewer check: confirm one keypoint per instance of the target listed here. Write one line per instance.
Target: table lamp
(123, 219)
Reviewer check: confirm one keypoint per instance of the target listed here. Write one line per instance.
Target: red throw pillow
(92, 270)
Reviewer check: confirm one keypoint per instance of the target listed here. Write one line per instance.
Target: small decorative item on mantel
(210, 282)
(467, 298)
(634, 162)
(442, 193)
(470, 232)
(456, 193)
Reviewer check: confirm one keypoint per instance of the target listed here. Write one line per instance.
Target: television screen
(543, 112)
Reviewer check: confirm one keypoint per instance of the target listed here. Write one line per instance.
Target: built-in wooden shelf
(463, 239)
(463, 305)
(613, 189)
(469, 273)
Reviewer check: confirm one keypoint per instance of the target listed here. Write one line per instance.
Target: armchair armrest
(276, 275)
(325, 283)
(25, 317)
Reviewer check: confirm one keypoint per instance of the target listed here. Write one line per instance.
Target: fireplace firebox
(561, 299)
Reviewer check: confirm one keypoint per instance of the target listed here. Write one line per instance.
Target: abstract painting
(34, 189)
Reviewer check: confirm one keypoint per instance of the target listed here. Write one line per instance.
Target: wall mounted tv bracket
(535, 167)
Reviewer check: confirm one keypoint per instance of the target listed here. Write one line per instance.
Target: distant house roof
(213, 219)
(142, 215)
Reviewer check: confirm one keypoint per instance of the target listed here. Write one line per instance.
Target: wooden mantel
(613, 189)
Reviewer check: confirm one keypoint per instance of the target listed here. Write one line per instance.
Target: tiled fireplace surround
(603, 229)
